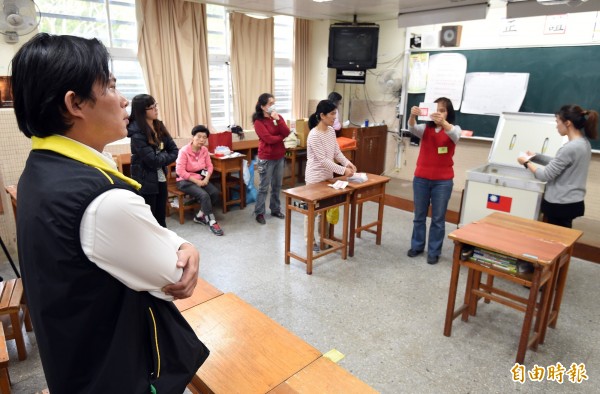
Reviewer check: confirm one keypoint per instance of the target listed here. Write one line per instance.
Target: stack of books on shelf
(497, 260)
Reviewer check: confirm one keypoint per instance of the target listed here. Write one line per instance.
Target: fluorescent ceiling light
(523, 9)
(407, 18)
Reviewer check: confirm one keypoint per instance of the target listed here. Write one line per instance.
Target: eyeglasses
(153, 106)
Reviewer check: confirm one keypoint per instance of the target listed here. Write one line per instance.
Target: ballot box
(504, 185)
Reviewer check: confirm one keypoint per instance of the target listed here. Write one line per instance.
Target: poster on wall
(418, 63)
(488, 93)
(446, 77)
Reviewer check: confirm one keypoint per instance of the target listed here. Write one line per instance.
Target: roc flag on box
(499, 203)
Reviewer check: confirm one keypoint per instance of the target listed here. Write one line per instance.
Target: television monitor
(353, 47)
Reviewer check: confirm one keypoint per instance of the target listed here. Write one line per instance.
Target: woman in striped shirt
(323, 150)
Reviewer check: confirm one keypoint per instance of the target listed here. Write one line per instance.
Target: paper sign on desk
(339, 184)
(426, 110)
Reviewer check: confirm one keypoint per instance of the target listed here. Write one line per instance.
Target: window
(221, 97)
(284, 53)
(112, 22)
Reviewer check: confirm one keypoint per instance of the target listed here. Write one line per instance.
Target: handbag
(220, 139)
(177, 353)
(291, 141)
(333, 215)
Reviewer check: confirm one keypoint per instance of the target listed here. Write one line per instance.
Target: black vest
(93, 332)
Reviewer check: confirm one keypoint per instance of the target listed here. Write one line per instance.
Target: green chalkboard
(558, 76)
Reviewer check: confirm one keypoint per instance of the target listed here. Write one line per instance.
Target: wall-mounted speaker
(450, 36)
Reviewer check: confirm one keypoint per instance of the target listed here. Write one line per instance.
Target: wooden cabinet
(371, 147)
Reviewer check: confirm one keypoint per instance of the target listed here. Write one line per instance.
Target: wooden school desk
(323, 376)
(562, 235)
(530, 246)
(371, 190)
(249, 352)
(318, 198)
(245, 146)
(227, 165)
(203, 292)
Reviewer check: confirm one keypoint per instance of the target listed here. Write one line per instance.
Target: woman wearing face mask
(271, 130)
(152, 149)
(433, 181)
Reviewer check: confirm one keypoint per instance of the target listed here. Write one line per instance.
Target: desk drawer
(331, 201)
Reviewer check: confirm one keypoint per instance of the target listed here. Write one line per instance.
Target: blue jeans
(271, 173)
(437, 194)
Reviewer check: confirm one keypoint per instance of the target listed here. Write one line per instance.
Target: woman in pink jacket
(194, 169)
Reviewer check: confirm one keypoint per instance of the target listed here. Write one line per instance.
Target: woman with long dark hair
(566, 174)
(152, 149)
(323, 155)
(271, 130)
(433, 180)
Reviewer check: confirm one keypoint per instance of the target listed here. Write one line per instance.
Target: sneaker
(216, 229)
(316, 248)
(413, 253)
(201, 219)
(278, 215)
(260, 218)
(433, 259)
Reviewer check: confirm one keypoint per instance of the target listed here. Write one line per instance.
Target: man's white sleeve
(120, 235)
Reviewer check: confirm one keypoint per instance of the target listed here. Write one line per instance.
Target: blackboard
(558, 76)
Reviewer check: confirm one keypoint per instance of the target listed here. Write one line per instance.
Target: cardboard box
(302, 131)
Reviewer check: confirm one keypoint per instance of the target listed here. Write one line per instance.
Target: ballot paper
(358, 177)
(339, 184)
(426, 110)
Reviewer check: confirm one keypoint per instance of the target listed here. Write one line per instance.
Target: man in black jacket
(98, 270)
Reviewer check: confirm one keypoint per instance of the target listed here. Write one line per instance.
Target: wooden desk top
(548, 232)
(314, 192)
(323, 376)
(529, 246)
(244, 145)
(203, 292)
(249, 352)
(372, 179)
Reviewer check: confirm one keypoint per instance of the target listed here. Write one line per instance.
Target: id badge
(442, 150)
(161, 146)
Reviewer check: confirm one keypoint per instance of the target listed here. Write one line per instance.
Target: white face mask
(271, 109)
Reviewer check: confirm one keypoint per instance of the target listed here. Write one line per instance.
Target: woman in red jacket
(271, 130)
(432, 183)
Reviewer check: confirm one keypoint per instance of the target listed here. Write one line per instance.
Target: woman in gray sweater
(566, 174)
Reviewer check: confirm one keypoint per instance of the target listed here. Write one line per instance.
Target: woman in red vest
(432, 184)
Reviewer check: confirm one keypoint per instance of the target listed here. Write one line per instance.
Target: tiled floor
(382, 310)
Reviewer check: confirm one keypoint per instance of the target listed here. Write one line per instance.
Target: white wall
(490, 33)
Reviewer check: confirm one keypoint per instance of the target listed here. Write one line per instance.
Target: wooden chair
(123, 161)
(174, 192)
(12, 303)
(12, 192)
(4, 376)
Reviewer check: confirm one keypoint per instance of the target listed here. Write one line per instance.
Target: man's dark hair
(44, 70)
(335, 97)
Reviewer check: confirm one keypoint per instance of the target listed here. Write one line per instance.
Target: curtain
(301, 68)
(173, 54)
(252, 64)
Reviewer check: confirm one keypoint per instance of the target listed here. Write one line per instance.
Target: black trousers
(158, 203)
